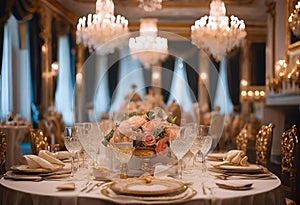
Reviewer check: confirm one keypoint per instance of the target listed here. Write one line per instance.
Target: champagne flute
(123, 148)
(72, 144)
(181, 145)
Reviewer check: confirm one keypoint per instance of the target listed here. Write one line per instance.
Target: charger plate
(159, 199)
(154, 187)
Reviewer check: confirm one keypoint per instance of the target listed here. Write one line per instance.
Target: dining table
(204, 188)
(15, 134)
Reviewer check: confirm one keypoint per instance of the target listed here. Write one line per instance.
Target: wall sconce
(253, 94)
(54, 68)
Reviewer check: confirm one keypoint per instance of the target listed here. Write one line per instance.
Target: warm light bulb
(244, 83)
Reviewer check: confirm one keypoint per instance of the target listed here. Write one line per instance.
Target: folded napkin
(235, 185)
(164, 171)
(235, 157)
(66, 186)
(45, 160)
(62, 155)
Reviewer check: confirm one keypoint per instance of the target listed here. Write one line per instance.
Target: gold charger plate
(26, 170)
(160, 199)
(155, 187)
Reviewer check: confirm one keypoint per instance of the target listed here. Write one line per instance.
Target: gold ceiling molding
(61, 10)
(257, 32)
(175, 3)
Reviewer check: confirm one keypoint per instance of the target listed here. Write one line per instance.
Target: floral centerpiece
(151, 132)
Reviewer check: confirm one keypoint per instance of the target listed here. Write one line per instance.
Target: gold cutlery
(95, 186)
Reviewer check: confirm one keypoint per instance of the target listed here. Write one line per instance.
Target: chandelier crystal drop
(150, 5)
(101, 28)
(149, 48)
(294, 20)
(216, 33)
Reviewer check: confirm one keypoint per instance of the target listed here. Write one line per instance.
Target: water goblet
(72, 144)
(123, 149)
(205, 143)
(181, 145)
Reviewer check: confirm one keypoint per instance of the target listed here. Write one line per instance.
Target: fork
(95, 186)
(86, 186)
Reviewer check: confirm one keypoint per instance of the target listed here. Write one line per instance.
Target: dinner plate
(159, 199)
(14, 176)
(141, 187)
(248, 168)
(27, 170)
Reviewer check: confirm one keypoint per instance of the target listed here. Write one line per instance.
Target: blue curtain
(15, 78)
(102, 98)
(222, 97)
(180, 90)
(130, 73)
(64, 95)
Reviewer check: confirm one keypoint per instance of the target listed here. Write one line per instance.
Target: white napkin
(63, 155)
(45, 154)
(164, 171)
(236, 157)
(44, 160)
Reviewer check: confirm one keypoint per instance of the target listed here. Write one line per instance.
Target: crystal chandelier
(215, 33)
(96, 31)
(294, 20)
(150, 5)
(149, 48)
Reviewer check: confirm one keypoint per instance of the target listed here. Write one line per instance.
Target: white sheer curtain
(64, 91)
(130, 72)
(180, 90)
(222, 98)
(101, 99)
(15, 77)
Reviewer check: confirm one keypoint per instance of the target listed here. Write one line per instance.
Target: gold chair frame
(263, 144)
(38, 141)
(242, 140)
(3, 147)
(289, 151)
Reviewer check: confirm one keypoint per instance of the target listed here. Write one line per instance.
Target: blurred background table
(14, 138)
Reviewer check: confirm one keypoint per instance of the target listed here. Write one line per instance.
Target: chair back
(3, 147)
(263, 144)
(289, 151)
(242, 140)
(38, 141)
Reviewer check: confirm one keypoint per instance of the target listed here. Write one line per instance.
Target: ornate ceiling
(177, 15)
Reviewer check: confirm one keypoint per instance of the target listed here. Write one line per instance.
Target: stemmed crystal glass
(72, 144)
(205, 143)
(123, 148)
(183, 142)
(90, 138)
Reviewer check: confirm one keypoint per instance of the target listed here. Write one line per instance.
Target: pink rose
(152, 125)
(172, 131)
(148, 139)
(126, 129)
(137, 121)
(162, 146)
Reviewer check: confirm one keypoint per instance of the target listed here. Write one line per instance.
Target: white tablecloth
(14, 138)
(264, 192)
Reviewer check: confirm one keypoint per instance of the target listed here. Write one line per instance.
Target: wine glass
(72, 144)
(90, 138)
(205, 143)
(195, 149)
(123, 149)
(181, 145)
